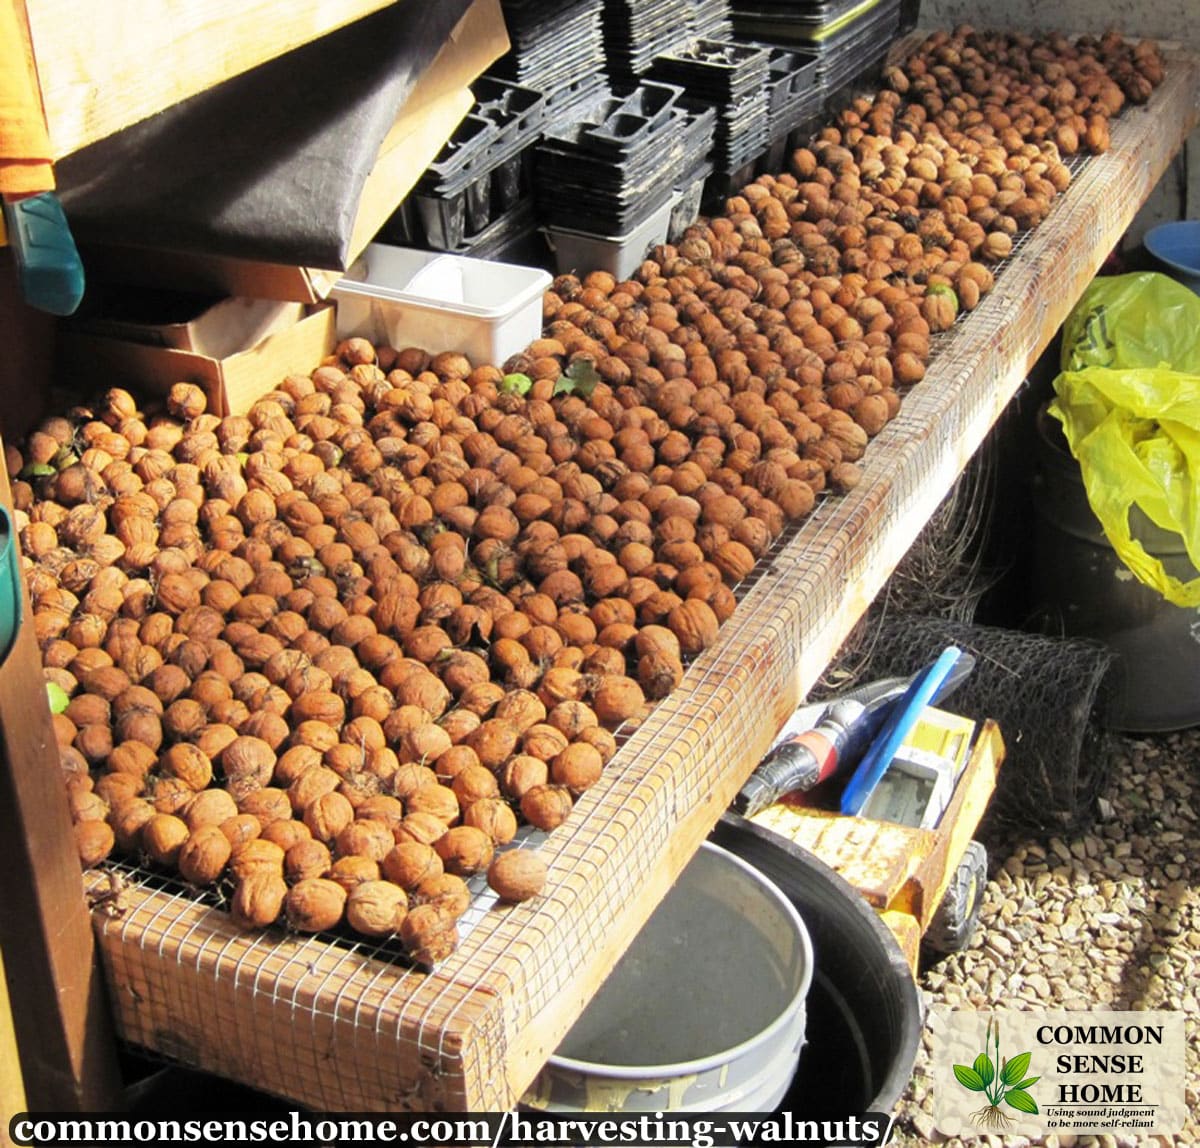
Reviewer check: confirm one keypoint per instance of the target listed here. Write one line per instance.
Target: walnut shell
(315, 905)
(494, 816)
(249, 761)
(577, 768)
(209, 807)
(411, 862)
(546, 806)
(517, 875)
(350, 872)
(306, 859)
(616, 699)
(203, 857)
(473, 783)
(256, 856)
(328, 815)
(436, 800)
(365, 837)
(189, 764)
(694, 624)
(447, 891)
(128, 820)
(464, 850)
(376, 908)
(258, 899)
(162, 838)
(428, 934)
(94, 841)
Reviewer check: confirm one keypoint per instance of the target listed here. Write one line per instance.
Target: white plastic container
(407, 298)
(705, 1012)
(620, 255)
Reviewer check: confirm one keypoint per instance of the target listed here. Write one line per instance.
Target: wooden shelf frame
(339, 1028)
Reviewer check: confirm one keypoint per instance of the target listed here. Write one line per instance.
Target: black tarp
(269, 165)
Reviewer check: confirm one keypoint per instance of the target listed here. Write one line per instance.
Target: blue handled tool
(48, 265)
(903, 716)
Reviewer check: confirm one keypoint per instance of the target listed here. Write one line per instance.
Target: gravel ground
(1109, 918)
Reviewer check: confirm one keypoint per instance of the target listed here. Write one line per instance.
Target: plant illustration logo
(1007, 1085)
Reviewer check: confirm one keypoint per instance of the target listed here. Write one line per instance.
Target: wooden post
(12, 1086)
(59, 1012)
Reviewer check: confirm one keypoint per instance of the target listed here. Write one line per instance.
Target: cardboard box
(217, 331)
(434, 108)
(232, 381)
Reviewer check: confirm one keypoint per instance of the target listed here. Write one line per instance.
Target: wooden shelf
(100, 75)
(340, 1027)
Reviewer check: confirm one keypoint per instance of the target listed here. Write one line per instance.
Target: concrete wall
(1178, 194)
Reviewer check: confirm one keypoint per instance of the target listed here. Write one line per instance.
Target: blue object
(48, 265)
(1176, 246)
(900, 721)
(10, 586)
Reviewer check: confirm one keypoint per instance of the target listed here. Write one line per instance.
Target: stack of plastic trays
(795, 100)
(636, 31)
(849, 38)
(479, 177)
(732, 78)
(605, 174)
(696, 170)
(856, 55)
(558, 50)
(606, 186)
(711, 20)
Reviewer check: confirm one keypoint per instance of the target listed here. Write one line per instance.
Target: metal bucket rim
(786, 1015)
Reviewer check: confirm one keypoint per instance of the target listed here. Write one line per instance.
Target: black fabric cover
(269, 165)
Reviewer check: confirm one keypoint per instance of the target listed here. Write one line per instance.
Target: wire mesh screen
(1043, 693)
(340, 1023)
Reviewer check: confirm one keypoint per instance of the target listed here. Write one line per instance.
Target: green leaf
(1015, 1069)
(985, 1068)
(580, 379)
(57, 697)
(36, 470)
(1028, 1082)
(1021, 1101)
(516, 383)
(969, 1078)
(64, 458)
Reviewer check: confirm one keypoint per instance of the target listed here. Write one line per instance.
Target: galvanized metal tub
(705, 1012)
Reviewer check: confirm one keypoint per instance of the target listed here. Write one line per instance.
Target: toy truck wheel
(958, 914)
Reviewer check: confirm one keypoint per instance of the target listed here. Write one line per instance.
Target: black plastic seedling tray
(720, 71)
(509, 106)
(860, 50)
(792, 76)
(794, 12)
(622, 131)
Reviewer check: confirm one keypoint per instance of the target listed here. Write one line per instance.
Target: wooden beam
(59, 1012)
(100, 75)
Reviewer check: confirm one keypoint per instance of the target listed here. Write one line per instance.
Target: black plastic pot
(864, 1009)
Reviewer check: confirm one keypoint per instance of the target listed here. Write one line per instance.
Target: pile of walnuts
(330, 654)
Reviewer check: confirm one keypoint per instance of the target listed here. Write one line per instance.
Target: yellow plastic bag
(1129, 402)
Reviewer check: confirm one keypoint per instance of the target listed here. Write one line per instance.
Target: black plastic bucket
(1082, 588)
(864, 1009)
